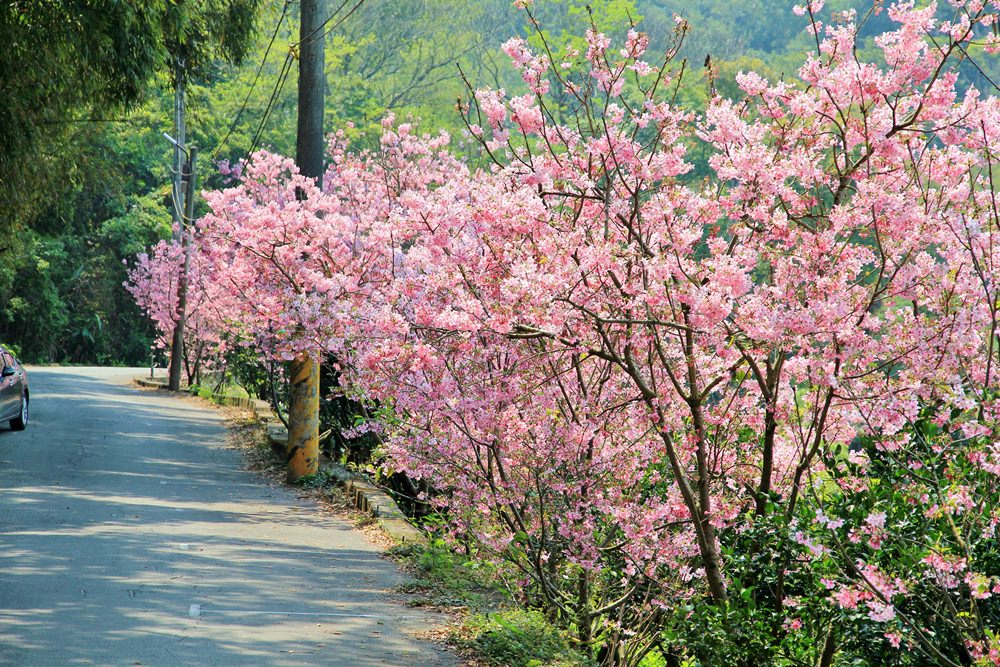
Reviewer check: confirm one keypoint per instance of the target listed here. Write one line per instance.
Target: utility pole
(303, 371)
(180, 135)
(177, 196)
(177, 346)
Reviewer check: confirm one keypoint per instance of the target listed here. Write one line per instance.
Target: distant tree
(83, 192)
(63, 64)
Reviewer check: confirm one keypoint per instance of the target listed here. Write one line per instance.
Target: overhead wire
(286, 68)
(253, 85)
(279, 86)
(338, 23)
(323, 24)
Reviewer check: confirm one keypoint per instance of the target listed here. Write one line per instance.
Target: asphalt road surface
(129, 535)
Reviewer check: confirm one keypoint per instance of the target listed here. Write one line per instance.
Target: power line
(232, 126)
(335, 25)
(323, 24)
(286, 68)
(279, 85)
(344, 18)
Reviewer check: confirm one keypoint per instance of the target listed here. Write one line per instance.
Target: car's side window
(7, 359)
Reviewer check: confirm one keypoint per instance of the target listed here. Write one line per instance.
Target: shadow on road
(129, 535)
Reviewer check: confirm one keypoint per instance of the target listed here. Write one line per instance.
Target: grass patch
(322, 479)
(487, 631)
(518, 638)
(200, 391)
(444, 579)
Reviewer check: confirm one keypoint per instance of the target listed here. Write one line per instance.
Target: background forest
(85, 173)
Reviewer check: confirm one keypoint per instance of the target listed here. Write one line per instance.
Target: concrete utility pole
(303, 371)
(177, 346)
(180, 136)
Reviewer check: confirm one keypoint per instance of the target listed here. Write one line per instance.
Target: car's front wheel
(19, 422)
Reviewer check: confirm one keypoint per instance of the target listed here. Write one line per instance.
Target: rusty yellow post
(303, 417)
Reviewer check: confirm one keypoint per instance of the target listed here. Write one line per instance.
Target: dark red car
(13, 391)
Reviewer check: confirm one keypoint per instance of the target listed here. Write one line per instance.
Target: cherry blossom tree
(800, 298)
(762, 401)
(153, 282)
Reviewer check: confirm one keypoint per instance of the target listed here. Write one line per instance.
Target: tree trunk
(829, 649)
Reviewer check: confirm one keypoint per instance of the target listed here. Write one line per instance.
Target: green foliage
(243, 366)
(85, 193)
(564, 22)
(782, 614)
(522, 639)
(32, 319)
(200, 391)
(444, 578)
(753, 628)
(61, 297)
(321, 479)
(62, 64)
(199, 33)
(919, 491)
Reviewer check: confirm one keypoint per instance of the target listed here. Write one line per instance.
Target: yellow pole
(303, 417)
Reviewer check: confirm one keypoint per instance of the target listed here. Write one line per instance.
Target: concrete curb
(369, 498)
(366, 496)
(260, 409)
(156, 383)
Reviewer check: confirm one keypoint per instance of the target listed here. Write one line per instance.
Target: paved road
(130, 536)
